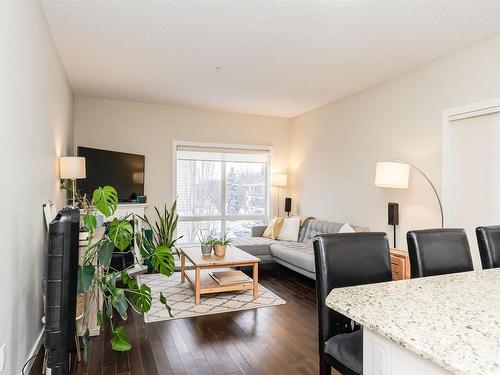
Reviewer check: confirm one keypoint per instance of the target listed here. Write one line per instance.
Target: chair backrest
(346, 259)
(438, 252)
(488, 240)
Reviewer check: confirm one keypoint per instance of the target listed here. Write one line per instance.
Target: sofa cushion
(303, 228)
(297, 253)
(346, 228)
(273, 229)
(254, 245)
(315, 227)
(290, 229)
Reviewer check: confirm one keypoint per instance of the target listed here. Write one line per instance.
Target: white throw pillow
(290, 229)
(346, 228)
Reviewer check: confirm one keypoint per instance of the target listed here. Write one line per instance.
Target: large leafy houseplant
(98, 279)
(158, 245)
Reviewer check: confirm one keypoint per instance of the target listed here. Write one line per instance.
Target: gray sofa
(296, 255)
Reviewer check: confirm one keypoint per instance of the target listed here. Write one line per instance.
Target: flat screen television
(123, 171)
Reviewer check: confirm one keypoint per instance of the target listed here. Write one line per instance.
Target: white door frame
(448, 116)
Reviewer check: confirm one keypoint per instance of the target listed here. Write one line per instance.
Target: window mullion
(223, 196)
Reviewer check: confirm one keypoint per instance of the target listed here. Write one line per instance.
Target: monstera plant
(98, 279)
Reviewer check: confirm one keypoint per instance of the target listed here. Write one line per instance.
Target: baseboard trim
(34, 350)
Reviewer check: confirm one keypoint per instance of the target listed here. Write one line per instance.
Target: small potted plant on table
(220, 245)
(206, 242)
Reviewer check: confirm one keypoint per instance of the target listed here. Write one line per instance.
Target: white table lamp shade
(279, 180)
(72, 167)
(392, 174)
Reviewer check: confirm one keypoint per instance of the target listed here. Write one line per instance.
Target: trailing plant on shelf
(98, 279)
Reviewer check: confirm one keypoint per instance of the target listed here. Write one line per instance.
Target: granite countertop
(451, 320)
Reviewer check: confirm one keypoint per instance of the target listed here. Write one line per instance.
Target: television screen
(123, 171)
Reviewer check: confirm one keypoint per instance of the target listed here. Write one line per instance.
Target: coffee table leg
(255, 280)
(183, 267)
(197, 286)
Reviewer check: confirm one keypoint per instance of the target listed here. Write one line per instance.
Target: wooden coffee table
(203, 283)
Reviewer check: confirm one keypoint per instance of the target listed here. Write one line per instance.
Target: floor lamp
(279, 180)
(395, 174)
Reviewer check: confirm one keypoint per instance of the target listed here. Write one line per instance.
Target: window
(221, 190)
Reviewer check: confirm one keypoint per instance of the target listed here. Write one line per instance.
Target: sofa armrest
(258, 230)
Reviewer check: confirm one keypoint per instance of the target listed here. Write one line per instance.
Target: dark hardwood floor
(273, 340)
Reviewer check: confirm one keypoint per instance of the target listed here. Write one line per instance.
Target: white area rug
(180, 298)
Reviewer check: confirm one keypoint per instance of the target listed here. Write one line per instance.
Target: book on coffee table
(230, 277)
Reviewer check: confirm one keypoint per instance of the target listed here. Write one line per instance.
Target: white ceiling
(276, 58)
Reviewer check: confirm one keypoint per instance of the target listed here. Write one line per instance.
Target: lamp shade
(392, 174)
(72, 167)
(279, 180)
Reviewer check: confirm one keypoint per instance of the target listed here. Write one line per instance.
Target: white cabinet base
(382, 356)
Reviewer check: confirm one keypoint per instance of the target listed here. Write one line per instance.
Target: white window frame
(223, 217)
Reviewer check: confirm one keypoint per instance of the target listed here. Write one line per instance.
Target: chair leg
(324, 368)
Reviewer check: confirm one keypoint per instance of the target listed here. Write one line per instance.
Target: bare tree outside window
(219, 196)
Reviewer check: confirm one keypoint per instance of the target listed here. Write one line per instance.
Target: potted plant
(160, 235)
(98, 280)
(206, 241)
(220, 245)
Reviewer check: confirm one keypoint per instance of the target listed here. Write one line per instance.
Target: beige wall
(334, 149)
(36, 123)
(150, 129)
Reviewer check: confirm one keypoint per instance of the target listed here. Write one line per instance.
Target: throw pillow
(346, 228)
(273, 229)
(290, 229)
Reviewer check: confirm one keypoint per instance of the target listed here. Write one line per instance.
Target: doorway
(471, 169)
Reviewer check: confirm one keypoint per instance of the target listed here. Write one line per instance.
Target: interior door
(473, 186)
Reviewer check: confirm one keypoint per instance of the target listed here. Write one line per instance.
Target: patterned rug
(180, 298)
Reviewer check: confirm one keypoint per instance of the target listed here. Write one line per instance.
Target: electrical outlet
(2, 356)
(381, 358)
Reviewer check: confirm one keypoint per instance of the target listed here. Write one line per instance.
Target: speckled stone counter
(451, 320)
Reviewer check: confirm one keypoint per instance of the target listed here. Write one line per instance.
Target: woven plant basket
(80, 304)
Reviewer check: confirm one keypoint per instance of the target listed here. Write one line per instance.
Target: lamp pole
(430, 183)
(73, 188)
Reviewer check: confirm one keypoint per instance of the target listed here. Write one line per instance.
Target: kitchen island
(433, 325)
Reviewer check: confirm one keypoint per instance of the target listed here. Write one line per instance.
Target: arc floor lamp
(395, 174)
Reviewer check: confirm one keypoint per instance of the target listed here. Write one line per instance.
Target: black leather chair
(345, 259)
(488, 240)
(438, 252)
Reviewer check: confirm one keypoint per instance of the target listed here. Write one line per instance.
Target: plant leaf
(164, 302)
(120, 303)
(90, 222)
(106, 200)
(145, 244)
(163, 261)
(119, 340)
(106, 253)
(127, 280)
(85, 276)
(109, 308)
(121, 233)
(99, 319)
(141, 298)
(85, 344)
